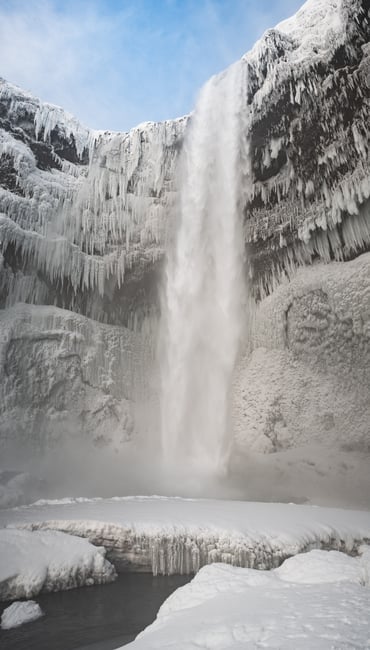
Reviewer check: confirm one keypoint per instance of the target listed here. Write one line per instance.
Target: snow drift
(48, 561)
(226, 607)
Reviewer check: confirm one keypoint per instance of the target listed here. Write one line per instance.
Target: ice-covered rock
(309, 141)
(172, 535)
(66, 373)
(31, 562)
(19, 613)
(81, 210)
(306, 376)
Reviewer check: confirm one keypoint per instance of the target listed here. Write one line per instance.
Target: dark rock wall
(310, 157)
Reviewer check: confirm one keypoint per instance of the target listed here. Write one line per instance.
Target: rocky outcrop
(85, 214)
(309, 141)
(307, 378)
(66, 375)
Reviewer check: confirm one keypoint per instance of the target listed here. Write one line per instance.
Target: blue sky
(116, 63)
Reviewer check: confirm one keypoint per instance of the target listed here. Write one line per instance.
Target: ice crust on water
(19, 613)
(31, 562)
(226, 607)
(172, 535)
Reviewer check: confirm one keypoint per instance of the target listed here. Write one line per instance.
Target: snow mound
(31, 562)
(318, 567)
(231, 608)
(19, 612)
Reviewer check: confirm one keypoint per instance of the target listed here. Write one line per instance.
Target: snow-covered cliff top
(315, 27)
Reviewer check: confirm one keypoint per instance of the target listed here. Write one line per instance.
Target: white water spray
(203, 310)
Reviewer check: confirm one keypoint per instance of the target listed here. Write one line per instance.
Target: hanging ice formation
(204, 280)
(82, 224)
(309, 141)
(81, 210)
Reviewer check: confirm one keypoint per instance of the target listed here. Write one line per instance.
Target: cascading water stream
(205, 290)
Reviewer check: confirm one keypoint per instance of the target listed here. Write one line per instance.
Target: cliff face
(85, 214)
(85, 217)
(309, 141)
(82, 213)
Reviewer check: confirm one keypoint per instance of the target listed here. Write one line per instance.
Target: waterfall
(204, 292)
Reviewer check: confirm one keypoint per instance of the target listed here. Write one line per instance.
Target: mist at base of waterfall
(311, 474)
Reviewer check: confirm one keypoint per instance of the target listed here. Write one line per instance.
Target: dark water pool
(93, 618)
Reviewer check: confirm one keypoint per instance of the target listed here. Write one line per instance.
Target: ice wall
(173, 535)
(309, 141)
(80, 209)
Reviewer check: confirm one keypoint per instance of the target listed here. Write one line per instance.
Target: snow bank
(174, 535)
(31, 562)
(233, 608)
(20, 612)
(318, 567)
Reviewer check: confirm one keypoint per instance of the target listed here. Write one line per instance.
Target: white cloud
(116, 64)
(61, 56)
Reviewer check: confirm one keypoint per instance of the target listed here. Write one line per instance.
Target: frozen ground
(316, 600)
(31, 562)
(20, 612)
(175, 535)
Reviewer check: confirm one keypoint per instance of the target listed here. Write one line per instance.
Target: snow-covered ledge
(168, 535)
(31, 562)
